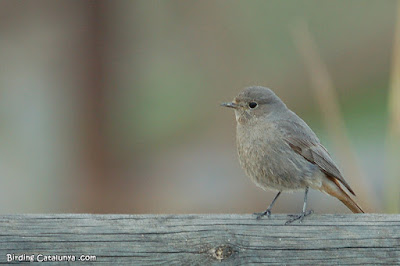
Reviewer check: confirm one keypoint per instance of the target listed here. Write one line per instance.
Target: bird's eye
(252, 105)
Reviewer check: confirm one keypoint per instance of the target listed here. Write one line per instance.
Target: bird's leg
(268, 210)
(303, 214)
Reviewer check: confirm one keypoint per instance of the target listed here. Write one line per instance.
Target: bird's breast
(269, 161)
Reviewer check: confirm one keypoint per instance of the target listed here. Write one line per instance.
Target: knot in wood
(221, 252)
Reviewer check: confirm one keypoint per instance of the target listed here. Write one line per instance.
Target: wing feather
(298, 136)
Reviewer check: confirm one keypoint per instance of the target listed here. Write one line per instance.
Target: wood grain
(205, 239)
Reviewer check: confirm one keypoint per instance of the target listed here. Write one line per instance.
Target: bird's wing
(307, 144)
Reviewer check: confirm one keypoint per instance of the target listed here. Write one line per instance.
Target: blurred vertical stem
(392, 180)
(327, 99)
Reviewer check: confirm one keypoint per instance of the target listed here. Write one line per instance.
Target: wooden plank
(204, 239)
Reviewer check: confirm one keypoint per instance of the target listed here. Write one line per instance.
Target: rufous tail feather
(332, 187)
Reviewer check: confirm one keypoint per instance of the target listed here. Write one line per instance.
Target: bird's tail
(332, 187)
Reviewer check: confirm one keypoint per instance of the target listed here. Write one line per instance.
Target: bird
(280, 152)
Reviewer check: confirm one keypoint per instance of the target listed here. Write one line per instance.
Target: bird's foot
(261, 214)
(300, 217)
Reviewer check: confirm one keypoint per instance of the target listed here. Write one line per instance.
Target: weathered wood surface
(205, 239)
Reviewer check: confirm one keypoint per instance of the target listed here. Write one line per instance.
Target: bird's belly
(277, 168)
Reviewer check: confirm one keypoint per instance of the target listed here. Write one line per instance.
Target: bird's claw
(261, 214)
(300, 217)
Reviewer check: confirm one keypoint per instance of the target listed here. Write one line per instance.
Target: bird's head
(255, 102)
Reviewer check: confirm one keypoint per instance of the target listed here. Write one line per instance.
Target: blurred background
(113, 106)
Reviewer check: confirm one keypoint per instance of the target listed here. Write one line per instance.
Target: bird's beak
(231, 105)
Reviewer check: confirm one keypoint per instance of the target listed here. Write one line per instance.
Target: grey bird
(279, 151)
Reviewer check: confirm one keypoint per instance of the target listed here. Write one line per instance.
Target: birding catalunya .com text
(48, 258)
